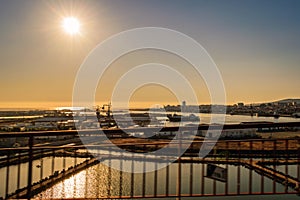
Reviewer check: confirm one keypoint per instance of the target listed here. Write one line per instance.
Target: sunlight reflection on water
(94, 182)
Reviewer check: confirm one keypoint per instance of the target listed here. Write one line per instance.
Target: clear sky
(254, 43)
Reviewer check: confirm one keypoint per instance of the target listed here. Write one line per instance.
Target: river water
(94, 182)
(234, 119)
(205, 118)
(46, 164)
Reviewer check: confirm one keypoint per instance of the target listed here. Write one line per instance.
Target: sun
(71, 25)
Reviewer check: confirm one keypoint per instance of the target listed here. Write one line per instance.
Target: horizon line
(140, 104)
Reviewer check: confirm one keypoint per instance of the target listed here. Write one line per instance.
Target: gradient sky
(255, 45)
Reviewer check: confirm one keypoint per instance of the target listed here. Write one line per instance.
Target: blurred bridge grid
(270, 158)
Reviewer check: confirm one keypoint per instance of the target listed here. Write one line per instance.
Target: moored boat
(178, 118)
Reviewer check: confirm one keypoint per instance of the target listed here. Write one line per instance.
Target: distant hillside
(288, 101)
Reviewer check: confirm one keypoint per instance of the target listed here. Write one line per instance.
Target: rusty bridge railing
(57, 165)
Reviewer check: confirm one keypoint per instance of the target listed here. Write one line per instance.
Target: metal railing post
(7, 175)
(178, 187)
(30, 160)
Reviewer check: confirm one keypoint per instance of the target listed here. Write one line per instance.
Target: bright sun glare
(71, 25)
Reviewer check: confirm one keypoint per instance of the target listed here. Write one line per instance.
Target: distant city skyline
(255, 45)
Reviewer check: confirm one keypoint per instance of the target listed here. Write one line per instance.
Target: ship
(178, 118)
